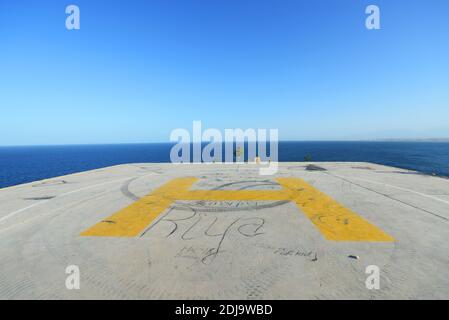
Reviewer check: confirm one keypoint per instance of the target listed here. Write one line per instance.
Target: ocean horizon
(24, 164)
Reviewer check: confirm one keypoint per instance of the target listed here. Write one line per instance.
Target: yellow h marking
(332, 219)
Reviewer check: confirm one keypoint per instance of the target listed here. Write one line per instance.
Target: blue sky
(139, 69)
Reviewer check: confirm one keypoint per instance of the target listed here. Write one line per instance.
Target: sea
(22, 164)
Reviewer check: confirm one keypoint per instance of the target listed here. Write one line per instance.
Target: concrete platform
(164, 231)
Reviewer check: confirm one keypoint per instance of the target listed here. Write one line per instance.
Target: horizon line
(172, 142)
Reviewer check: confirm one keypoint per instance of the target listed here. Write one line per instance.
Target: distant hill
(416, 140)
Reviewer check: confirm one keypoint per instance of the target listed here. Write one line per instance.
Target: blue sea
(26, 164)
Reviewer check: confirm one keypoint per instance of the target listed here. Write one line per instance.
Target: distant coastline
(414, 140)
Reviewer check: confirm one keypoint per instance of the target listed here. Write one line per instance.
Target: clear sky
(136, 70)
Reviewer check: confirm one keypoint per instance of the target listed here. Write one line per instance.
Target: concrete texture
(194, 249)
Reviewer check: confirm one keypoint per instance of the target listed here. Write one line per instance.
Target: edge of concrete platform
(221, 163)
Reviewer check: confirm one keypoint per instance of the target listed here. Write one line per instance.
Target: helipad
(214, 231)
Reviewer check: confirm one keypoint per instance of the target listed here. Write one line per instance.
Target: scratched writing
(199, 225)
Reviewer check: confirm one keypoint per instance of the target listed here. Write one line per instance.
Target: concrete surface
(269, 240)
